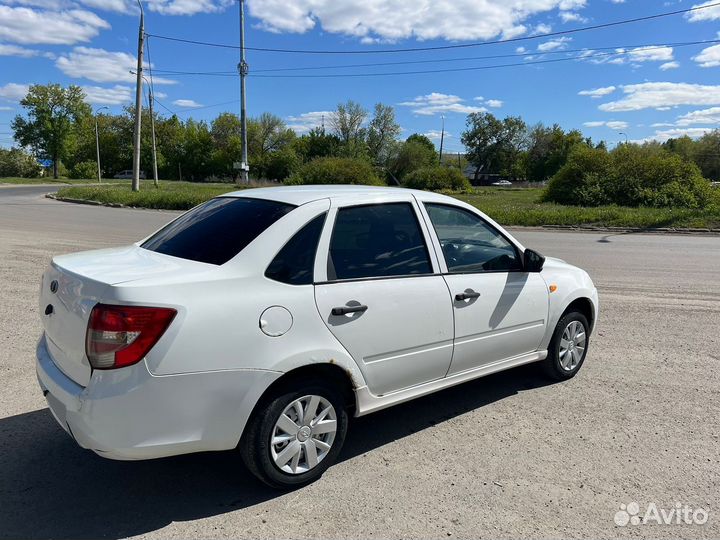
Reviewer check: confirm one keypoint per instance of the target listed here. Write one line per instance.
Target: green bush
(629, 176)
(333, 170)
(436, 178)
(84, 169)
(16, 162)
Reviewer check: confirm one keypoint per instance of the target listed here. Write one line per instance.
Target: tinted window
(295, 262)
(469, 244)
(218, 230)
(376, 241)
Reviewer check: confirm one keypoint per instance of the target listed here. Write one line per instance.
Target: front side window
(380, 240)
(469, 243)
(218, 230)
(295, 262)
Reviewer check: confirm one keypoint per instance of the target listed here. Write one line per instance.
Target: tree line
(59, 125)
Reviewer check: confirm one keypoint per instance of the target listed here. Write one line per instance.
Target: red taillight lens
(119, 336)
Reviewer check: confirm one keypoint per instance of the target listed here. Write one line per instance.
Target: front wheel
(568, 346)
(296, 435)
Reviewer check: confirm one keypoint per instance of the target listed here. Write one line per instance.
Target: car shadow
(53, 489)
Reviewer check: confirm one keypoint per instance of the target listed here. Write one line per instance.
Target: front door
(500, 310)
(382, 299)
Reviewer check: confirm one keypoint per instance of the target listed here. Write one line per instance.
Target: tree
(17, 162)
(52, 112)
(382, 133)
(316, 143)
(493, 145)
(268, 133)
(347, 122)
(413, 154)
(548, 150)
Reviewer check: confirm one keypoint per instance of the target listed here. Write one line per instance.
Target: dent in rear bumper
(131, 414)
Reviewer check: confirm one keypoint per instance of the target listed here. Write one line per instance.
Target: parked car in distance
(263, 319)
(503, 183)
(123, 175)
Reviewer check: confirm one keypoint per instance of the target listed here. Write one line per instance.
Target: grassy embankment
(507, 206)
(46, 180)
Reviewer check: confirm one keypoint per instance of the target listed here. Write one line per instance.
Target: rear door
(500, 310)
(382, 296)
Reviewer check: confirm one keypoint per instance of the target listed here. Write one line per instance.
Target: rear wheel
(568, 347)
(295, 435)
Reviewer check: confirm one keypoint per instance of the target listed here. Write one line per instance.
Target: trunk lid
(74, 283)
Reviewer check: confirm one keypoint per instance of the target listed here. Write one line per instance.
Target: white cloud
(100, 65)
(709, 57)
(554, 44)
(705, 116)
(597, 92)
(188, 103)
(438, 103)
(571, 16)
(651, 54)
(398, 19)
(309, 120)
(189, 7)
(117, 95)
(612, 124)
(24, 25)
(664, 135)
(662, 96)
(22, 52)
(707, 14)
(435, 134)
(14, 91)
(120, 6)
(494, 103)
(669, 65)
(5, 108)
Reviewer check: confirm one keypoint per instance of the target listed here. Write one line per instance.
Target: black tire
(255, 447)
(552, 365)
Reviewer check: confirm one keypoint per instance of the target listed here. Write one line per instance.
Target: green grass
(522, 207)
(168, 195)
(32, 181)
(507, 206)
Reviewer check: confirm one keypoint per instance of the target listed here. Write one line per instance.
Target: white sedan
(264, 319)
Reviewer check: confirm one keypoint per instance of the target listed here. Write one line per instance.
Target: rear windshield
(218, 230)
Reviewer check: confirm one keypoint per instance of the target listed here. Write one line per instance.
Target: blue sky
(656, 93)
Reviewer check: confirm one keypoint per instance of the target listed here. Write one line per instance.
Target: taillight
(119, 336)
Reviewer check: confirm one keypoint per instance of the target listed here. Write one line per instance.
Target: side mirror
(533, 261)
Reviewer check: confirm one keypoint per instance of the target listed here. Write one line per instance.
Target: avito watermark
(678, 514)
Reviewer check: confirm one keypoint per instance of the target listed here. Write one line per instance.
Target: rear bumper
(131, 414)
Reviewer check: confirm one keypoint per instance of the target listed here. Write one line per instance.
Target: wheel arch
(329, 372)
(583, 305)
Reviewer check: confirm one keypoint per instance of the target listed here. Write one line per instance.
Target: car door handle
(344, 310)
(467, 295)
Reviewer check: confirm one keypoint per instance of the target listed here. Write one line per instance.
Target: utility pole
(442, 137)
(243, 71)
(151, 99)
(626, 137)
(97, 142)
(138, 102)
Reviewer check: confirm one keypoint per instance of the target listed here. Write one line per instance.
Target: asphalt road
(505, 456)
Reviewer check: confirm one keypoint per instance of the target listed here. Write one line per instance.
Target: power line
(427, 71)
(163, 106)
(445, 47)
(467, 58)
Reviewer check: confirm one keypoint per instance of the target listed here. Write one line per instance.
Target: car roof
(298, 195)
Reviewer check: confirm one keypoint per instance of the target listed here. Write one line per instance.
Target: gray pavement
(505, 456)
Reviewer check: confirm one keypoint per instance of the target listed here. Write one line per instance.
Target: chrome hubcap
(303, 435)
(572, 345)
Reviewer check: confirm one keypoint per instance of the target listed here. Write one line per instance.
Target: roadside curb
(88, 202)
(568, 228)
(617, 230)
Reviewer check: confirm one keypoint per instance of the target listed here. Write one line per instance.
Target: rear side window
(218, 230)
(295, 262)
(378, 240)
